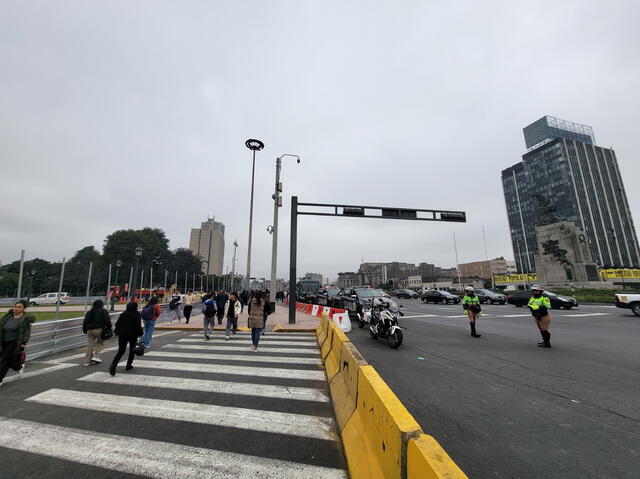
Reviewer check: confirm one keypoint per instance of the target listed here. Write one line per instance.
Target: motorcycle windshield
(393, 307)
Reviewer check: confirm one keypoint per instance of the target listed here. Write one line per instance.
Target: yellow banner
(516, 278)
(620, 273)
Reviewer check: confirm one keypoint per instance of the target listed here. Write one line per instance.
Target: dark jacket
(96, 319)
(25, 329)
(129, 323)
(221, 299)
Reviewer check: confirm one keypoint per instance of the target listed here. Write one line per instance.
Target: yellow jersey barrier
(381, 439)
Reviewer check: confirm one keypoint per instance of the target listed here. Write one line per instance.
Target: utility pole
(64, 260)
(253, 145)
(455, 245)
(19, 292)
(233, 266)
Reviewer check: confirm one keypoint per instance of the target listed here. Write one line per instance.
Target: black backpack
(147, 312)
(174, 303)
(209, 309)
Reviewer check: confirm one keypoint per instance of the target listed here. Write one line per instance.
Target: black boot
(112, 369)
(546, 336)
(473, 330)
(541, 344)
(129, 367)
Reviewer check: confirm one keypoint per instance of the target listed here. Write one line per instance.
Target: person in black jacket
(221, 300)
(128, 329)
(94, 322)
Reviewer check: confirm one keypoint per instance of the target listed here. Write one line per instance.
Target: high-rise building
(208, 243)
(565, 176)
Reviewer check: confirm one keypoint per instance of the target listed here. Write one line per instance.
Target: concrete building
(485, 269)
(314, 276)
(565, 176)
(208, 243)
(349, 280)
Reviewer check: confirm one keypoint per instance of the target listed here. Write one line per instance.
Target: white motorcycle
(382, 318)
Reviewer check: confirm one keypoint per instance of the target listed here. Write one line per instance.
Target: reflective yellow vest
(468, 300)
(535, 303)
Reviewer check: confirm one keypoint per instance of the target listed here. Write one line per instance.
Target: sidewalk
(278, 321)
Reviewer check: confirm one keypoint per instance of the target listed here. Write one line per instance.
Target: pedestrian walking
(471, 305)
(189, 299)
(174, 306)
(15, 330)
(256, 317)
(540, 307)
(128, 329)
(150, 313)
(95, 321)
(209, 311)
(221, 300)
(244, 299)
(267, 310)
(232, 311)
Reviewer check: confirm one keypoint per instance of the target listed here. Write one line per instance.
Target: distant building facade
(349, 280)
(314, 276)
(565, 176)
(208, 243)
(486, 269)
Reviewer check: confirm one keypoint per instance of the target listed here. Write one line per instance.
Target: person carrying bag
(15, 331)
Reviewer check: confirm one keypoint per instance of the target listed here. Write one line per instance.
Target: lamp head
(139, 251)
(253, 144)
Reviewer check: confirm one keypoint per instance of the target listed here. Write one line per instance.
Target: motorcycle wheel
(361, 323)
(395, 340)
(373, 335)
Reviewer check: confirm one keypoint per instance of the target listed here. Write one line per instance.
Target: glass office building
(565, 176)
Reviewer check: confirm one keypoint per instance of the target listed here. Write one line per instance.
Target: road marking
(582, 315)
(514, 315)
(263, 342)
(148, 458)
(37, 372)
(223, 347)
(421, 316)
(235, 370)
(276, 335)
(253, 358)
(213, 414)
(268, 338)
(223, 387)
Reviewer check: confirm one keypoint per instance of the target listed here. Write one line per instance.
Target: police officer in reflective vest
(540, 307)
(471, 304)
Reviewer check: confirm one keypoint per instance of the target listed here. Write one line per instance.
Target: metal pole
(112, 309)
(274, 239)
(253, 172)
(135, 279)
(233, 266)
(86, 295)
(176, 281)
(19, 292)
(165, 280)
(150, 281)
(109, 283)
(186, 280)
(194, 282)
(455, 245)
(64, 260)
(293, 258)
(130, 285)
(141, 282)
(200, 282)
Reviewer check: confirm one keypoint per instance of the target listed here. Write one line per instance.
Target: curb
(380, 438)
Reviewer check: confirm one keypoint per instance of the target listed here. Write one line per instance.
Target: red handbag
(18, 361)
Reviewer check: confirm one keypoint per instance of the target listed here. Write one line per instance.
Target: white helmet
(469, 289)
(537, 287)
(377, 302)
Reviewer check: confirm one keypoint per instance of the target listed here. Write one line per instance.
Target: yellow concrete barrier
(427, 460)
(326, 345)
(332, 361)
(375, 437)
(344, 385)
(323, 329)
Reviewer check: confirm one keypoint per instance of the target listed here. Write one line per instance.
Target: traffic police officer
(540, 307)
(471, 304)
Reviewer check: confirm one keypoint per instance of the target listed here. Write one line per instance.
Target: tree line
(42, 276)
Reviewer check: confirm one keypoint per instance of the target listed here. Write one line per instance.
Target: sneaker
(226, 337)
(96, 360)
(86, 364)
(21, 371)
(207, 337)
(253, 348)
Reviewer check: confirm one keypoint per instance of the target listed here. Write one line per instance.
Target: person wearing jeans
(150, 323)
(256, 317)
(232, 310)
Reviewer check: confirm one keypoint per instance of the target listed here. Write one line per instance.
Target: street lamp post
(253, 145)
(113, 297)
(233, 266)
(277, 203)
(132, 290)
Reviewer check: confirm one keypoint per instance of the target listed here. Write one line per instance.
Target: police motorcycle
(383, 321)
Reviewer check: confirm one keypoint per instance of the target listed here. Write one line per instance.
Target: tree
(121, 245)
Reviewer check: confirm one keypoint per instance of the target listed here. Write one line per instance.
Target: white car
(629, 301)
(50, 298)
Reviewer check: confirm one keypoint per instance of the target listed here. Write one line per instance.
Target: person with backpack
(232, 310)
(95, 321)
(150, 314)
(128, 329)
(189, 299)
(174, 306)
(209, 311)
(15, 331)
(256, 317)
(221, 300)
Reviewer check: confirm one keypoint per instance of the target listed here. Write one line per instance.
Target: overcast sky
(128, 114)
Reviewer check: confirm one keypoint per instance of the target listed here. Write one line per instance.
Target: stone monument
(563, 257)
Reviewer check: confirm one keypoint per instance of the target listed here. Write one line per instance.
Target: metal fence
(57, 336)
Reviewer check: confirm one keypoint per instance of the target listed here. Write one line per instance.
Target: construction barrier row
(339, 316)
(380, 437)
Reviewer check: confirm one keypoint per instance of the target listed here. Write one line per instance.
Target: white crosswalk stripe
(270, 338)
(205, 385)
(224, 347)
(253, 358)
(251, 419)
(237, 370)
(149, 458)
(263, 342)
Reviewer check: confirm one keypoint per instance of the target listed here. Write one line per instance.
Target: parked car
(352, 299)
(406, 293)
(521, 298)
(629, 301)
(50, 298)
(488, 296)
(437, 296)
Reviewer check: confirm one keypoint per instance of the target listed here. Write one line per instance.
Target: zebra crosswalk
(190, 408)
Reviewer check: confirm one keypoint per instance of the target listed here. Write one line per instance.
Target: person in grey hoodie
(94, 322)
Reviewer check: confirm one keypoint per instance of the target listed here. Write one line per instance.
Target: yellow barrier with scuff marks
(427, 460)
(332, 361)
(344, 385)
(326, 346)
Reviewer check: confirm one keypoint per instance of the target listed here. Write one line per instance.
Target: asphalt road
(189, 409)
(503, 407)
